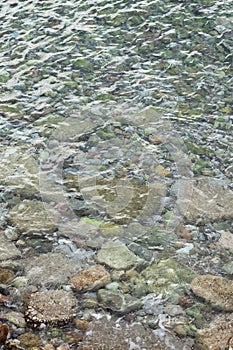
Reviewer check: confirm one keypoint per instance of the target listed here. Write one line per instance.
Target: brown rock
(6, 275)
(216, 290)
(4, 330)
(218, 335)
(92, 278)
(81, 324)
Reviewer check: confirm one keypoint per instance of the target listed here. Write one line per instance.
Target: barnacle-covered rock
(50, 307)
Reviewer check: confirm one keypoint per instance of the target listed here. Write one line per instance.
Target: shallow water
(109, 113)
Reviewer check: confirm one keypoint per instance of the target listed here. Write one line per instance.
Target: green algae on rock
(164, 276)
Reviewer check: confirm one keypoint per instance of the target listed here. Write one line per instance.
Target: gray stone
(117, 301)
(8, 250)
(33, 217)
(210, 199)
(50, 269)
(116, 255)
(19, 170)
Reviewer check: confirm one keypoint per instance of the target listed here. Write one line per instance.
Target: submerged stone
(8, 250)
(33, 217)
(51, 307)
(164, 276)
(116, 255)
(19, 170)
(218, 335)
(50, 269)
(218, 291)
(210, 199)
(91, 278)
(117, 301)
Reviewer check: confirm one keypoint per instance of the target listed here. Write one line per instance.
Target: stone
(117, 301)
(16, 318)
(29, 341)
(4, 330)
(164, 276)
(209, 199)
(6, 275)
(217, 335)
(226, 240)
(51, 307)
(50, 269)
(110, 332)
(228, 268)
(92, 278)
(33, 217)
(19, 170)
(218, 291)
(116, 255)
(8, 250)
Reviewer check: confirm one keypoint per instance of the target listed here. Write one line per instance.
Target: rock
(228, 268)
(50, 269)
(218, 334)
(19, 170)
(6, 275)
(157, 237)
(4, 330)
(29, 341)
(91, 278)
(51, 307)
(33, 217)
(8, 250)
(116, 255)
(216, 290)
(226, 240)
(164, 276)
(117, 301)
(16, 318)
(210, 199)
(106, 332)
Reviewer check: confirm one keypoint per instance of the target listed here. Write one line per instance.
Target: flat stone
(8, 250)
(51, 307)
(209, 199)
(109, 332)
(218, 291)
(19, 170)
(33, 217)
(117, 301)
(50, 269)
(91, 278)
(116, 255)
(219, 334)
